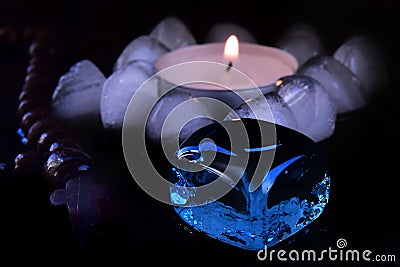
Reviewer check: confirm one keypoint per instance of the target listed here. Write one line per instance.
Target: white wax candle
(261, 64)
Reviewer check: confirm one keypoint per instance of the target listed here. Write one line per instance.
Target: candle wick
(229, 66)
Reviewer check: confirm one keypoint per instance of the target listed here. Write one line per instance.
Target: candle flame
(231, 50)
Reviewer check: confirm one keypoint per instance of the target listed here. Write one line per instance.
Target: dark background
(363, 151)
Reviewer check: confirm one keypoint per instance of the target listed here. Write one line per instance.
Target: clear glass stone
(311, 105)
(302, 41)
(272, 109)
(76, 99)
(143, 48)
(343, 85)
(363, 57)
(118, 90)
(173, 33)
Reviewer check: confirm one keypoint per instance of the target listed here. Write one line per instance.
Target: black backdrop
(364, 153)
(98, 30)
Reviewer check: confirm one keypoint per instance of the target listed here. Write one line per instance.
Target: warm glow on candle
(231, 50)
(261, 64)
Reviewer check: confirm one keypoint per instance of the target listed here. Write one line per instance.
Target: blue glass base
(292, 193)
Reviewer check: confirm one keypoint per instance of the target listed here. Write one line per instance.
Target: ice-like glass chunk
(273, 110)
(221, 31)
(362, 56)
(173, 33)
(143, 48)
(192, 115)
(118, 90)
(76, 99)
(311, 105)
(302, 41)
(293, 194)
(344, 87)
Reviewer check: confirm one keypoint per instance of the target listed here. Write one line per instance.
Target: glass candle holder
(275, 187)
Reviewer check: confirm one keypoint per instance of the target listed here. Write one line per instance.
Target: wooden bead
(63, 143)
(38, 128)
(37, 49)
(31, 117)
(27, 163)
(25, 106)
(9, 35)
(30, 32)
(48, 138)
(65, 164)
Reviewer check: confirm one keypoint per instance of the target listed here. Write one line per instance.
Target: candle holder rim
(289, 59)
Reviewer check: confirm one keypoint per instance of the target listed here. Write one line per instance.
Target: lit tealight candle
(230, 72)
(261, 64)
